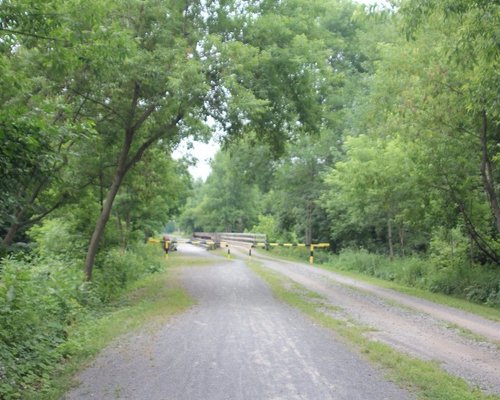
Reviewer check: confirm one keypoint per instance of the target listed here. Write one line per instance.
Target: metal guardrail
(223, 239)
(243, 238)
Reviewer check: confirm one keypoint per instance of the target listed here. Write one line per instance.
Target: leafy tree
(462, 74)
(419, 100)
(227, 203)
(172, 76)
(298, 185)
(151, 194)
(373, 189)
(36, 136)
(32, 183)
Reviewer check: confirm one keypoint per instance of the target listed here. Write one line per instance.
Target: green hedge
(41, 298)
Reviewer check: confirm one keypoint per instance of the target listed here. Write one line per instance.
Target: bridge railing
(252, 239)
(208, 240)
(221, 239)
(212, 240)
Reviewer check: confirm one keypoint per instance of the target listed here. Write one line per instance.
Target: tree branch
(133, 105)
(32, 221)
(143, 117)
(100, 103)
(140, 151)
(33, 35)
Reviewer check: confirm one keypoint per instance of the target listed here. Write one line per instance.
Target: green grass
(188, 261)
(478, 309)
(147, 304)
(222, 252)
(426, 379)
(461, 304)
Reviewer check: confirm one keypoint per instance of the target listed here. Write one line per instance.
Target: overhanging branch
(33, 35)
(149, 142)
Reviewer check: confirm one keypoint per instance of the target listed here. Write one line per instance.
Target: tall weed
(41, 298)
(117, 268)
(38, 301)
(477, 283)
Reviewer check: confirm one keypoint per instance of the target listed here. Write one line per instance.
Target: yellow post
(323, 245)
(167, 248)
(228, 250)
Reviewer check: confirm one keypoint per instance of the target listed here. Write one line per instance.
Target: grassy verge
(426, 379)
(146, 304)
(464, 305)
(492, 313)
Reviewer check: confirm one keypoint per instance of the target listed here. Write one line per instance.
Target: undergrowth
(476, 283)
(44, 300)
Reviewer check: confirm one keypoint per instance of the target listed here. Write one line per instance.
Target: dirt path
(418, 327)
(237, 343)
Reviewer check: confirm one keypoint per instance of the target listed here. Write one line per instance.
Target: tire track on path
(415, 326)
(238, 343)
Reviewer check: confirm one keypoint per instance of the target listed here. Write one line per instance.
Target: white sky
(203, 152)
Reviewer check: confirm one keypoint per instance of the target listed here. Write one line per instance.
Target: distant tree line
(406, 158)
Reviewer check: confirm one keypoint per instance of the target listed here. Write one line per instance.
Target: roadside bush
(476, 283)
(359, 261)
(448, 248)
(38, 300)
(412, 271)
(59, 238)
(267, 224)
(43, 297)
(300, 253)
(117, 268)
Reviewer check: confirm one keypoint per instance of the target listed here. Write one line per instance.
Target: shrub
(476, 283)
(41, 298)
(267, 224)
(37, 301)
(359, 261)
(118, 267)
(448, 248)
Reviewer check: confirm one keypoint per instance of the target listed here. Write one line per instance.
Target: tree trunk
(308, 236)
(402, 239)
(121, 170)
(101, 188)
(14, 227)
(389, 239)
(124, 165)
(101, 223)
(11, 233)
(487, 172)
(308, 228)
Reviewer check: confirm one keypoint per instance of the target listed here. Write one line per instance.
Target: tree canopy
(376, 129)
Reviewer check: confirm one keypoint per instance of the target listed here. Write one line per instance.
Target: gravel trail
(415, 326)
(238, 342)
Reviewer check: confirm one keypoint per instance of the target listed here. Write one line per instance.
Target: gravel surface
(415, 326)
(237, 343)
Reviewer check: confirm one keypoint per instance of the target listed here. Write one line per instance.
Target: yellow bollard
(166, 248)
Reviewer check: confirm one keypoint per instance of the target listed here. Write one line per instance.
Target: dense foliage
(377, 130)
(406, 163)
